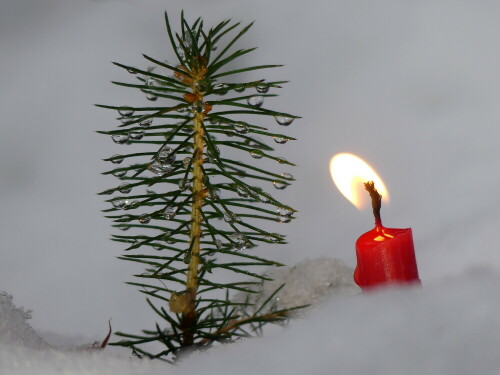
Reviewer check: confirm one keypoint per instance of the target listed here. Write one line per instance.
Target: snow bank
(450, 326)
(22, 351)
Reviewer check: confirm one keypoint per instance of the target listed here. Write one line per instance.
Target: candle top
(379, 234)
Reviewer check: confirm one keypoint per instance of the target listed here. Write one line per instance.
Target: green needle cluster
(191, 210)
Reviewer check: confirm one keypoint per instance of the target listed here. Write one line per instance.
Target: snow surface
(428, 330)
(412, 87)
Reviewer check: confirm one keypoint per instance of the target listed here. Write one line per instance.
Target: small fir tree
(204, 212)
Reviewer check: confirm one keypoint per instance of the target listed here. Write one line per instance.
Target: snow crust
(306, 283)
(14, 328)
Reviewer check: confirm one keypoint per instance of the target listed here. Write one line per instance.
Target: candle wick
(376, 201)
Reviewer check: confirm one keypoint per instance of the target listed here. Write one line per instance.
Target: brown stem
(189, 315)
(376, 201)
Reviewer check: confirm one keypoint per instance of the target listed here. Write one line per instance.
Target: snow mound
(14, 328)
(306, 283)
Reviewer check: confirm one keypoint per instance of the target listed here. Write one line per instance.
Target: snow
(399, 330)
(17, 360)
(306, 283)
(412, 87)
(14, 328)
(395, 331)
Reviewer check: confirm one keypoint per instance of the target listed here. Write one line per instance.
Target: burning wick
(384, 255)
(376, 201)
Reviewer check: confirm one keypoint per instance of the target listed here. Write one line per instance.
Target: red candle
(384, 255)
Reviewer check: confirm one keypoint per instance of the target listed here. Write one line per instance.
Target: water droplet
(136, 134)
(274, 237)
(239, 88)
(262, 88)
(184, 185)
(283, 211)
(151, 82)
(264, 199)
(120, 138)
(284, 219)
(167, 235)
(213, 156)
(240, 128)
(146, 122)
(256, 101)
(216, 151)
(188, 41)
(213, 120)
(144, 219)
(242, 192)
(124, 227)
(238, 241)
(166, 156)
(159, 169)
(119, 202)
(229, 217)
(282, 161)
(202, 86)
(198, 106)
(131, 71)
(186, 162)
(221, 89)
(151, 97)
(283, 120)
(288, 176)
(169, 212)
(125, 112)
(119, 173)
(168, 239)
(157, 247)
(256, 154)
(279, 185)
(213, 194)
(125, 188)
(133, 204)
(117, 159)
(218, 244)
(280, 140)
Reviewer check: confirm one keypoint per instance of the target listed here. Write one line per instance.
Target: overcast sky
(412, 87)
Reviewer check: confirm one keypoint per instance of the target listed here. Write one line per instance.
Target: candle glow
(349, 172)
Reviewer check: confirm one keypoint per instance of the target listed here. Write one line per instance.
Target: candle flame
(349, 172)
